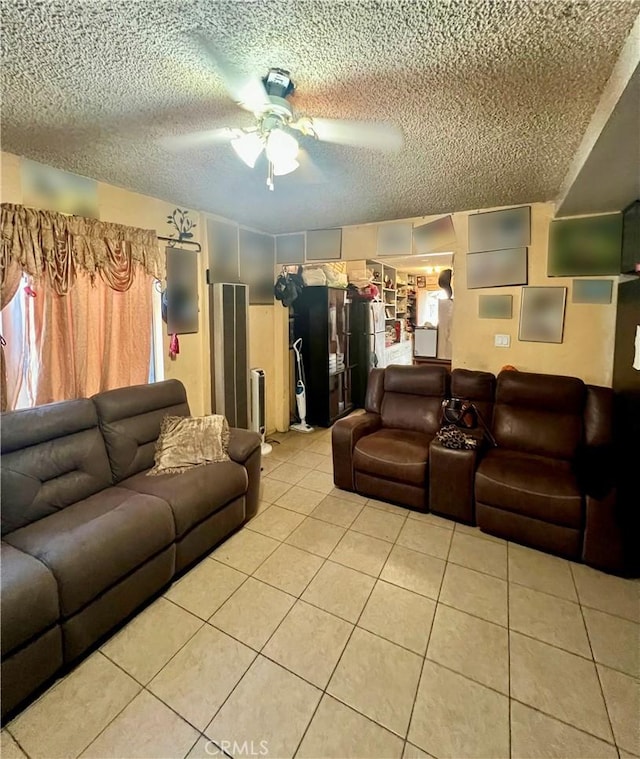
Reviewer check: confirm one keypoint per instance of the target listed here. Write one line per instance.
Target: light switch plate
(502, 341)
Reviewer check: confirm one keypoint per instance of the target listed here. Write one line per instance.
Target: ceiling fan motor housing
(278, 83)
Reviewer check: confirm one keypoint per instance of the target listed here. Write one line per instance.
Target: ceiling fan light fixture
(281, 148)
(285, 167)
(248, 147)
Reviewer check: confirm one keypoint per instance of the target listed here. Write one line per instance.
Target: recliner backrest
(477, 387)
(52, 457)
(130, 420)
(412, 397)
(539, 413)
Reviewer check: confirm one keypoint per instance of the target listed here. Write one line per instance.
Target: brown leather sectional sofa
(87, 538)
(548, 484)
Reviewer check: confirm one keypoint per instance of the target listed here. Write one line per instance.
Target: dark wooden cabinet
(322, 320)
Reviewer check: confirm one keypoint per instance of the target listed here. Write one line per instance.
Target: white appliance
(425, 342)
(376, 335)
(258, 407)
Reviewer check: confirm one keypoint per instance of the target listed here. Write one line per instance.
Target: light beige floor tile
(271, 490)
(614, 595)
(147, 643)
(205, 588)
(316, 536)
(414, 571)
(308, 459)
(428, 518)
(361, 552)
(475, 592)
(399, 615)
(253, 612)
(378, 524)
(70, 715)
(338, 732)
(276, 523)
(289, 569)
(146, 728)
(269, 704)
(262, 506)
(626, 755)
(615, 641)
(477, 553)
(269, 464)
(326, 465)
(548, 618)
(471, 646)
(309, 643)
(480, 717)
(541, 571)
(536, 736)
(9, 749)
(205, 748)
(201, 675)
(289, 472)
(321, 446)
(426, 538)
(378, 679)
(390, 508)
(348, 495)
(413, 752)
(283, 452)
(339, 590)
(337, 511)
(476, 532)
(622, 695)
(558, 683)
(321, 482)
(300, 499)
(245, 550)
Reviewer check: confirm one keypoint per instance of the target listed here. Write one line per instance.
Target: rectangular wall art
(542, 314)
(497, 268)
(592, 291)
(497, 230)
(589, 246)
(495, 306)
(435, 237)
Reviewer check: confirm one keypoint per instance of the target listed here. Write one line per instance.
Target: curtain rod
(173, 242)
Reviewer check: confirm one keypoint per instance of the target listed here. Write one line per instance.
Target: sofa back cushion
(539, 413)
(413, 396)
(52, 457)
(477, 387)
(130, 420)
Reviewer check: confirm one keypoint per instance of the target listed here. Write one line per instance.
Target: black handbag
(462, 413)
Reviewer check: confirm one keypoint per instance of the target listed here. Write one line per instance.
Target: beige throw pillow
(187, 442)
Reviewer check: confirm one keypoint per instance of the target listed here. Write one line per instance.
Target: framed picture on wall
(589, 246)
(421, 282)
(542, 314)
(436, 236)
(592, 291)
(498, 230)
(495, 306)
(497, 268)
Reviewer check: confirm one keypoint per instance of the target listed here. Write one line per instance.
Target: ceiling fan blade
(193, 140)
(361, 134)
(245, 90)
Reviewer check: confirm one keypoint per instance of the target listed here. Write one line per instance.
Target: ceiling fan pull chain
(270, 177)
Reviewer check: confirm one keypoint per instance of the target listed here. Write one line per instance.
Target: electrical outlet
(502, 341)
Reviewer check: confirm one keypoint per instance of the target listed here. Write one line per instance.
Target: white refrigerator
(376, 334)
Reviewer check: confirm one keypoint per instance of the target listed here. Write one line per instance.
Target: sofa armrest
(606, 532)
(244, 448)
(344, 436)
(452, 473)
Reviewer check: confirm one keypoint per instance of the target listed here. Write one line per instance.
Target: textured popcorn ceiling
(493, 97)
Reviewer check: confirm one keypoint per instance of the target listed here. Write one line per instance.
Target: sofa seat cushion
(399, 455)
(195, 494)
(28, 599)
(534, 486)
(93, 544)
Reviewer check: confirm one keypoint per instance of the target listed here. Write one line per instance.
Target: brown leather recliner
(541, 486)
(384, 452)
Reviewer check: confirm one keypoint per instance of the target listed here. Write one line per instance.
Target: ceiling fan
(276, 122)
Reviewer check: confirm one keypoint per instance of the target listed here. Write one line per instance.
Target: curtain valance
(51, 246)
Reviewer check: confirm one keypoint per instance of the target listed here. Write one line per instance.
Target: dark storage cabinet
(322, 320)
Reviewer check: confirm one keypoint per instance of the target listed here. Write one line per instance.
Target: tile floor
(336, 626)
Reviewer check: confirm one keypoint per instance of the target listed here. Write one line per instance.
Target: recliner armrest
(344, 436)
(242, 443)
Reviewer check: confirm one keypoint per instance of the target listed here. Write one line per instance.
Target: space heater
(258, 407)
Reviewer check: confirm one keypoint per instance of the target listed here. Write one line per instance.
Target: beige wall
(192, 364)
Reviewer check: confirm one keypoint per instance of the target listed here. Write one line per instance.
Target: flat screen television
(630, 263)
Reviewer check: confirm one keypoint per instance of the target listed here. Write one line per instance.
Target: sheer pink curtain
(72, 346)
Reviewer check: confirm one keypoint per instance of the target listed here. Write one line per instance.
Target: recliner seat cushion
(28, 599)
(195, 494)
(534, 486)
(396, 454)
(93, 544)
